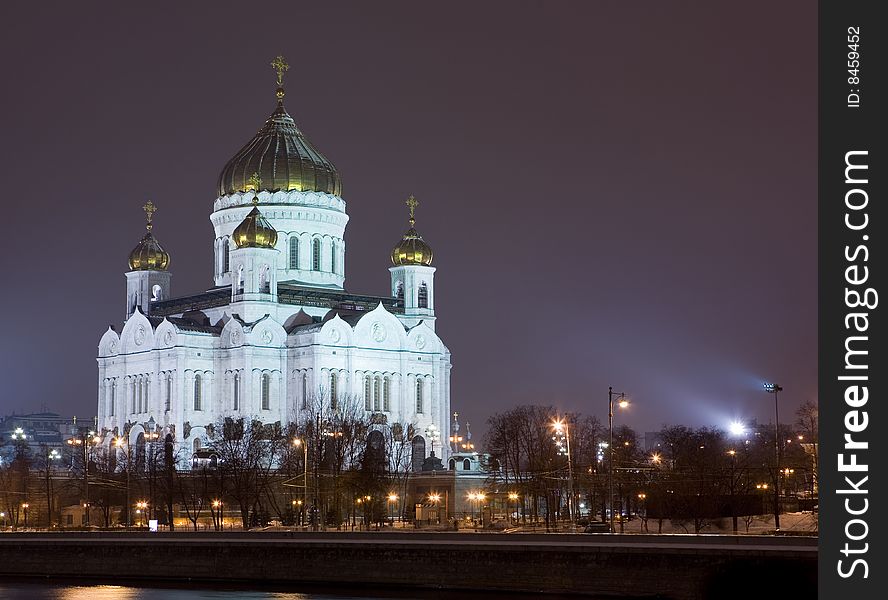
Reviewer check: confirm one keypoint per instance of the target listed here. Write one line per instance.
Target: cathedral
(278, 331)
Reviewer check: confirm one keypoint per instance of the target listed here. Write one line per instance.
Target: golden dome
(255, 231)
(149, 255)
(412, 250)
(281, 155)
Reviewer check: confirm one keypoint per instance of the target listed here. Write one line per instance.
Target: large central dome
(283, 159)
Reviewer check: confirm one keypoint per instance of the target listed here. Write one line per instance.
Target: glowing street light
(562, 430)
(773, 388)
(622, 402)
(392, 498)
(737, 428)
(513, 496)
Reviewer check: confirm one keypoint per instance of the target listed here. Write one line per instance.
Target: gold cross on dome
(412, 203)
(280, 65)
(149, 209)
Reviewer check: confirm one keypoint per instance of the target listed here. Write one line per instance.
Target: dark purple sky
(616, 195)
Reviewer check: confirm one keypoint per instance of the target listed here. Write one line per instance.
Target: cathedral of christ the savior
(278, 333)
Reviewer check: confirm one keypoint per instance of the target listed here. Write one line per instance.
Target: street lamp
(773, 388)
(217, 514)
(562, 429)
(25, 507)
(140, 508)
(392, 498)
(120, 442)
(296, 443)
(84, 441)
(622, 402)
(435, 498)
(513, 496)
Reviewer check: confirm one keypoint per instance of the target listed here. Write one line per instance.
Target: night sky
(616, 195)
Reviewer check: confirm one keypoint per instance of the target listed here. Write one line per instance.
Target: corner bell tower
(413, 276)
(148, 278)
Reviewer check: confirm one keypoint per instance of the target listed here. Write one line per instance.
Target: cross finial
(280, 65)
(253, 183)
(412, 203)
(149, 209)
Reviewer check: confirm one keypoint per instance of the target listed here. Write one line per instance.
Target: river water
(30, 590)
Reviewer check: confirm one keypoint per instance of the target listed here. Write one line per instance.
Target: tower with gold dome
(148, 279)
(277, 339)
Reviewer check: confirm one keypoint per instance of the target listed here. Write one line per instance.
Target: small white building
(278, 330)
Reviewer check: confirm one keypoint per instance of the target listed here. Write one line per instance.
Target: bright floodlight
(737, 428)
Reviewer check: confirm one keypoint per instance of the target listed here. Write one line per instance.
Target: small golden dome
(149, 255)
(412, 250)
(255, 231)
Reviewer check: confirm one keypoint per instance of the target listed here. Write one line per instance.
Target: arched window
(236, 392)
(333, 258)
(169, 392)
(141, 395)
(316, 254)
(240, 280)
(334, 398)
(386, 394)
(399, 293)
(423, 295)
(266, 391)
(156, 293)
(226, 260)
(467, 465)
(294, 252)
(264, 280)
(367, 402)
(113, 393)
(197, 392)
(419, 402)
(304, 391)
(196, 445)
(146, 384)
(133, 384)
(376, 394)
(452, 465)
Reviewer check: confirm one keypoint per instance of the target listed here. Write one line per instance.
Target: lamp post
(623, 403)
(120, 442)
(300, 442)
(773, 388)
(434, 498)
(392, 498)
(84, 441)
(562, 428)
(50, 456)
(25, 507)
(513, 496)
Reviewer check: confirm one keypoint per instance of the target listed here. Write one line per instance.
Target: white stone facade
(267, 341)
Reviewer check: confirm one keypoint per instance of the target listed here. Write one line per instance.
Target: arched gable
(423, 338)
(166, 335)
(109, 345)
(137, 334)
(380, 329)
(268, 333)
(336, 332)
(232, 335)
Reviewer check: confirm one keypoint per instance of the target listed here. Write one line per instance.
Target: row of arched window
(139, 394)
(377, 393)
(292, 256)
